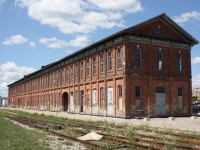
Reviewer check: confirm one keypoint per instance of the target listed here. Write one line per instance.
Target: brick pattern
(47, 91)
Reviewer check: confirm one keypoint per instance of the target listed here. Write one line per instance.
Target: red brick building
(143, 70)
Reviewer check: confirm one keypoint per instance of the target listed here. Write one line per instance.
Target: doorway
(82, 100)
(94, 102)
(160, 101)
(110, 102)
(65, 101)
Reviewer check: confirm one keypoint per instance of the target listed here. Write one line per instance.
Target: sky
(34, 33)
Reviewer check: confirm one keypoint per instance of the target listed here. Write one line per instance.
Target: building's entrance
(160, 101)
(94, 102)
(82, 100)
(71, 103)
(65, 101)
(110, 102)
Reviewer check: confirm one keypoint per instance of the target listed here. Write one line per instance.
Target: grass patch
(14, 137)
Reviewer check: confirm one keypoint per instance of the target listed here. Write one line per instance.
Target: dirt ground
(181, 123)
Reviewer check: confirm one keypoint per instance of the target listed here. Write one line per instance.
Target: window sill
(119, 69)
(138, 99)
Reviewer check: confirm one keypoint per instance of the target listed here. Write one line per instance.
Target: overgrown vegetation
(14, 137)
(131, 133)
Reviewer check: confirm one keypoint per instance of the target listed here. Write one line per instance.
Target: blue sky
(37, 32)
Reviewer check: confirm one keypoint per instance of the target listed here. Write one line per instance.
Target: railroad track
(139, 140)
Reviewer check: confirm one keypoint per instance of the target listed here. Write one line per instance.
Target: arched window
(137, 58)
(179, 62)
(67, 75)
(88, 67)
(72, 72)
(102, 98)
(110, 60)
(119, 91)
(94, 66)
(101, 64)
(159, 60)
(88, 98)
(81, 70)
(77, 71)
(76, 98)
(119, 58)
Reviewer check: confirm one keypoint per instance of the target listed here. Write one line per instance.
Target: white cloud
(15, 39)
(185, 17)
(10, 72)
(53, 42)
(79, 41)
(129, 6)
(78, 16)
(196, 60)
(31, 44)
(196, 81)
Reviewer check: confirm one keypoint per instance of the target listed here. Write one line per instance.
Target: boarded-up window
(180, 98)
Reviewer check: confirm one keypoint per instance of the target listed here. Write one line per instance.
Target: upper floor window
(159, 60)
(76, 71)
(179, 61)
(101, 64)
(110, 60)
(137, 58)
(94, 65)
(119, 58)
(81, 70)
(88, 67)
(67, 74)
(63, 77)
(137, 92)
(71, 72)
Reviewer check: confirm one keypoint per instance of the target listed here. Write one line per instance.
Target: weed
(130, 133)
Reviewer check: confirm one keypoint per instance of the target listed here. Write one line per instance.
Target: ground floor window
(180, 99)
(88, 98)
(119, 90)
(76, 98)
(138, 92)
(101, 98)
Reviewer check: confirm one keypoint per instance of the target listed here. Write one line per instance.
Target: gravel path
(181, 123)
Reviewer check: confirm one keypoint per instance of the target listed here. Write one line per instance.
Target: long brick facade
(143, 70)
